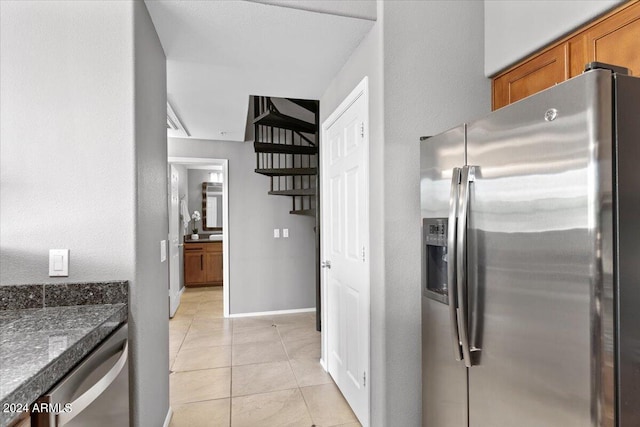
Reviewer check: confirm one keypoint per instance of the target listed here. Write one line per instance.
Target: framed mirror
(211, 206)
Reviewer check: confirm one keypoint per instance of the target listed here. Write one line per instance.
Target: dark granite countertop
(39, 346)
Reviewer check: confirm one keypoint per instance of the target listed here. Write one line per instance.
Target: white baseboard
(273, 313)
(167, 420)
(324, 365)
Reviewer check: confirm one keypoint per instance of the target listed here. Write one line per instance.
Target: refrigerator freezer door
(444, 384)
(444, 380)
(540, 207)
(628, 201)
(438, 156)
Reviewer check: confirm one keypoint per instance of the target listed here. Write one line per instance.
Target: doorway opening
(199, 190)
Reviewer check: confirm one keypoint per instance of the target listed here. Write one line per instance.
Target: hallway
(251, 371)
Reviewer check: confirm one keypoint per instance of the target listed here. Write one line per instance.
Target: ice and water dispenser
(435, 257)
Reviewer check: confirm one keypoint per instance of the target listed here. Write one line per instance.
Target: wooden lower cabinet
(613, 39)
(213, 267)
(193, 266)
(203, 264)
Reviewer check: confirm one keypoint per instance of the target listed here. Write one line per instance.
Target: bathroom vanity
(203, 263)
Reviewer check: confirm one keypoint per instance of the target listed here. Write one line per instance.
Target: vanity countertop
(204, 240)
(39, 346)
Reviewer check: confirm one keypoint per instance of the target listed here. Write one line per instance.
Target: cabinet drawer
(193, 247)
(213, 247)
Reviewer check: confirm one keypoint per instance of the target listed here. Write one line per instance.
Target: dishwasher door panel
(91, 389)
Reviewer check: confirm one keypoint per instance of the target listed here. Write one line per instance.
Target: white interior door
(345, 248)
(174, 242)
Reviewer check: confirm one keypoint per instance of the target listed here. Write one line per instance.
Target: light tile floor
(251, 371)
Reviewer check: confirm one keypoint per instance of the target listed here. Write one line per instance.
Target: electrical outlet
(276, 233)
(285, 233)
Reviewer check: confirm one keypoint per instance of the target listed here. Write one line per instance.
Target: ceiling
(221, 52)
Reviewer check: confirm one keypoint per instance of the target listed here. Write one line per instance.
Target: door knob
(325, 264)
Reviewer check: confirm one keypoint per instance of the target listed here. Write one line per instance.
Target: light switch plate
(58, 262)
(163, 250)
(285, 233)
(276, 233)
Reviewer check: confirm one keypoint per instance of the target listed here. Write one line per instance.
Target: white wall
(66, 139)
(149, 297)
(433, 80)
(515, 29)
(266, 274)
(425, 77)
(83, 163)
(366, 60)
(364, 9)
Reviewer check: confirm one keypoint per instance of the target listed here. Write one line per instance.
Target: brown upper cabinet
(538, 73)
(613, 38)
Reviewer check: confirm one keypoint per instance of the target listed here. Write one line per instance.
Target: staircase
(287, 152)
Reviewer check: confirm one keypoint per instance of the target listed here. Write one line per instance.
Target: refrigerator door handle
(451, 264)
(468, 176)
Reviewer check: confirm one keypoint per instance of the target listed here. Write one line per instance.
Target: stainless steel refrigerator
(531, 261)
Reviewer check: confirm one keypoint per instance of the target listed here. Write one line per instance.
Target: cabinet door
(194, 267)
(577, 54)
(616, 40)
(213, 264)
(214, 267)
(539, 73)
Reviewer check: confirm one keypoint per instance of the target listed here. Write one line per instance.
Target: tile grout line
(180, 346)
(191, 319)
(306, 405)
(210, 332)
(233, 328)
(267, 392)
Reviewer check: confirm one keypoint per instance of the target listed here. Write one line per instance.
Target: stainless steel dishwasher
(94, 394)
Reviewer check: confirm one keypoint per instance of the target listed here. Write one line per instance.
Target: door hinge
(362, 130)
(364, 379)
(363, 254)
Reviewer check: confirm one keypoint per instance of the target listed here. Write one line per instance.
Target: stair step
(265, 147)
(287, 171)
(308, 104)
(307, 212)
(294, 192)
(279, 120)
